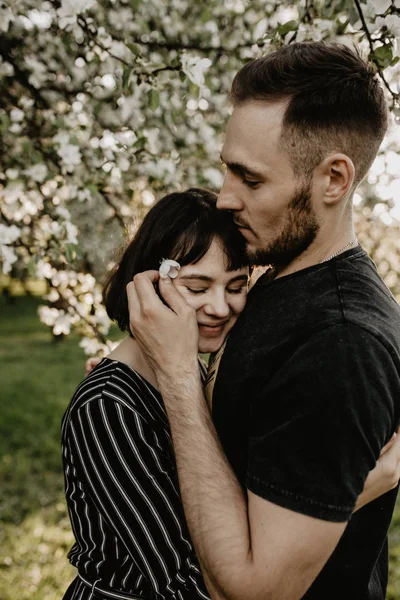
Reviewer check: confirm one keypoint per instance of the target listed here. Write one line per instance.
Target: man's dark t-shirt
(307, 394)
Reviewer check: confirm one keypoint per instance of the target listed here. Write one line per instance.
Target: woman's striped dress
(122, 493)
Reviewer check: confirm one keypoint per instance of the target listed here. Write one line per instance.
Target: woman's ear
(338, 174)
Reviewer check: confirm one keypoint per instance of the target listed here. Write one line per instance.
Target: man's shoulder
(283, 313)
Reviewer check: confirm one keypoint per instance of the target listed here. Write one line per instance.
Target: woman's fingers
(90, 364)
(389, 444)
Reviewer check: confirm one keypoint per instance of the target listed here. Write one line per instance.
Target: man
(308, 388)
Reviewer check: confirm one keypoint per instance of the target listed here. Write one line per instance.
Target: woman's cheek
(240, 304)
(193, 301)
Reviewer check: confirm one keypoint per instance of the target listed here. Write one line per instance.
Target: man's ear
(338, 174)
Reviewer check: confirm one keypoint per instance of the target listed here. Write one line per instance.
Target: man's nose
(228, 198)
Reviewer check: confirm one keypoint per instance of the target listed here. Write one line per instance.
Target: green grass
(37, 378)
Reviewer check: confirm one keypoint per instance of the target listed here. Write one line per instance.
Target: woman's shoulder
(112, 381)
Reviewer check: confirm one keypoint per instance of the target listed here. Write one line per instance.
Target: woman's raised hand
(386, 474)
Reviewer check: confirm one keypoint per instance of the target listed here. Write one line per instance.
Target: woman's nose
(217, 306)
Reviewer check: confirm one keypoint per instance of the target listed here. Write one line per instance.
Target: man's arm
(247, 546)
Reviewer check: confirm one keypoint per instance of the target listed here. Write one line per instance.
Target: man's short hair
(335, 102)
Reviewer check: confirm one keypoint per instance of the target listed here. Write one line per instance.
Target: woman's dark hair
(334, 102)
(181, 226)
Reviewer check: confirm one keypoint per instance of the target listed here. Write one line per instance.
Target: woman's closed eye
(239, 290)
(197, 290)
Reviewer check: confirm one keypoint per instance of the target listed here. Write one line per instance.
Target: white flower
(39, 71)
(17, 115)
(43, 270)
(70, 156)
(48, 315)
(214, 177)
(6, 17)
(194, 68)
(63, 212)
(72, 232)
(391, 22)
(91, 346)
(61, 138)
(37, 172)
(8, 235)
(12, 173)
(62, 324)
(381, 6)
(6, 69)
(169, 268)
(8, 258)
(70, 9)
(162, 169)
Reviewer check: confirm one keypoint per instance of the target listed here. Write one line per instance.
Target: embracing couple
(277, 482)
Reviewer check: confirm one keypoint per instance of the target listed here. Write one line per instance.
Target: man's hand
(168, 335)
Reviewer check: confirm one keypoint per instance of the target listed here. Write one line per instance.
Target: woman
(121, 484)
(120, 475)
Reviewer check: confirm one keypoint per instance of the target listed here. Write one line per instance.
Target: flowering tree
(105, 104)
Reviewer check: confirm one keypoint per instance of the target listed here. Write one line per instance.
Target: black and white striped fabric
(122, 491)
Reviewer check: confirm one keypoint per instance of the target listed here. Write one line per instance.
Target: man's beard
(299, 231)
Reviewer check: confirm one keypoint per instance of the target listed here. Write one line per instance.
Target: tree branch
(395, 97)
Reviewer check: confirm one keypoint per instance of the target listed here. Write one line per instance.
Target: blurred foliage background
(105, 105)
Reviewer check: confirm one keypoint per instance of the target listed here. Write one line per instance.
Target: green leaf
(206, 15)
(194, 89)
(70, 253)
(27, 146)
(134, 48)
(135, 4)
(125, 77)
(153, 99)
(92, 187)
(5, 122)
(31, 267)
(383, 55)
(286, 27)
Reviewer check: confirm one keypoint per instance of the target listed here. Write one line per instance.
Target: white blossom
(37, 172)
(381, 6)
(69, 10)
(169, 268)
(72, 232)
(163, 169)
(70, 155)
(62, 325)
(17, 115)
(12, 173)
(43, 270)
(6, 16)
(391, 22)
(38, 70)
(8, 258)
(91, 346)
(6, 69)
(10, 234)
(214, 177)
(195, 67)
(48, 315)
